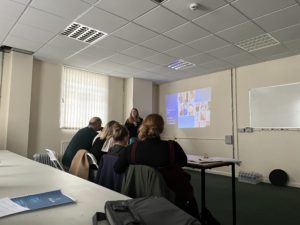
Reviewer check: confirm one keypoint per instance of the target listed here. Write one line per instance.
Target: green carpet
(257, 204)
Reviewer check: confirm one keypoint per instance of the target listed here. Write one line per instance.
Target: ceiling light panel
(83, 33)
(258, 42)
(180, 64)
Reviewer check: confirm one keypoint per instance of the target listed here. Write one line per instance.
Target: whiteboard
(275, 106)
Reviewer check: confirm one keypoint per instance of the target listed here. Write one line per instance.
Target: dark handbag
(145, 211)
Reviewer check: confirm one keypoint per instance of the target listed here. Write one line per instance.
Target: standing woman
(132, 124)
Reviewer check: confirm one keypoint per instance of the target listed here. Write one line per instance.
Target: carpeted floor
(257, 204)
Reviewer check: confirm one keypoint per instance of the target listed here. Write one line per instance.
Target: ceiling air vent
(258, 42)
(83, 33)
(180, 64)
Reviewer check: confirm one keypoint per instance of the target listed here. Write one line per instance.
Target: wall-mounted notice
(189, 109)
(275, 106)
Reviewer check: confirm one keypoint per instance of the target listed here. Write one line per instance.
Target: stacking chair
(48, 158)
(52, 155)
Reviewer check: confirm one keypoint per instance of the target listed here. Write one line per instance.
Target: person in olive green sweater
(81, 140)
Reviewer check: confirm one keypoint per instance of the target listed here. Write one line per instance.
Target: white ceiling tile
(195, 71)
(160, 59)
(256, 8)
(79, 60)
(160, 43)
(134, 33)
(122, 59)
(31, 33)
(208, 43)
(241, 59)
(280, 19)
(240, 32)
(66, 43)
(226, 51)
(68, 9)
(108, 24)
(182, 51)
(114, 43)
(97, 52)
(139, 52)
(22, 43)
(43, 20)
(221, 19)
(186, 33)
(200, 59)
(10, 11)
(160, 69)
(5, 27)
(105, 66)
(124, 8)
(287, 34)
(216, 64)
(279, 56)
(54, 53)
(267, 52)
(160, 20)
(142, 64)
(24, 2)
(293, 45)
(182, 7)
(91, 1)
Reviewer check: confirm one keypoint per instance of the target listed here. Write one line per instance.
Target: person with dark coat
(106, 175)
(81, 140)
(166, 156)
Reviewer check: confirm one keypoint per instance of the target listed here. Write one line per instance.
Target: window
(83, 95)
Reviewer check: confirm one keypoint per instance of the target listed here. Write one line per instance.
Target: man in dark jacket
(81, 140)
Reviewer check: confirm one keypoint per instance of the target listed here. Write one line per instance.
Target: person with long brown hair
(133, 123)
(166, 156)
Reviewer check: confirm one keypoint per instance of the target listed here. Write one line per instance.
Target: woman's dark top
(133, 129)
(151, 152)
(96, 148)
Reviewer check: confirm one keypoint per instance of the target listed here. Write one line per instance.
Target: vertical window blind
(83, 95)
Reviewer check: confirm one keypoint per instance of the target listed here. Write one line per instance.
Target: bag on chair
(144, 211)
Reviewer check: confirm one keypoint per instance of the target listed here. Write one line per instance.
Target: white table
(21, 176)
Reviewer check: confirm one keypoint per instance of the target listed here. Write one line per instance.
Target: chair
(52, 155)
(145, 181)
(48, 158)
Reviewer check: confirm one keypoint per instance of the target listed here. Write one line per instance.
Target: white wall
(267, 150)
(142, 96)
(211, 139)
(15, 107)
(261, 151)
(128, 97)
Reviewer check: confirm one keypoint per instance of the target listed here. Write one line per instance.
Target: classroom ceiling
(144, 37)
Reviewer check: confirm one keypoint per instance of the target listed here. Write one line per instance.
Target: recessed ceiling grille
(83, 33)
(258, 42)
(180, 64)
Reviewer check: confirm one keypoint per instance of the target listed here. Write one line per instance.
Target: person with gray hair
(83, 139)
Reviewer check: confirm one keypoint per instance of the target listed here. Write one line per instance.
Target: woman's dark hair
(152, 126)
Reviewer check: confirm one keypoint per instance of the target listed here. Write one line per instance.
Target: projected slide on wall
(189, 109)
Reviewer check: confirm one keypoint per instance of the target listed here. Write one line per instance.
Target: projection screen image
(189, 109)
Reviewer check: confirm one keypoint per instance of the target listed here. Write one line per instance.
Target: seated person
(103, 141)
(81, 140)
(106, 176)
(150, 150)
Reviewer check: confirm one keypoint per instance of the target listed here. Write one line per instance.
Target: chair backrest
(92, 160)
(53, 157)
(145, 181)
(43, 157)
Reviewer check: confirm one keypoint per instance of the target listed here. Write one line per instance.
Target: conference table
(202, 163)
(21, 176)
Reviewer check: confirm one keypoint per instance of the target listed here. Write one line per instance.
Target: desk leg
(203, 211)
(233, 195)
